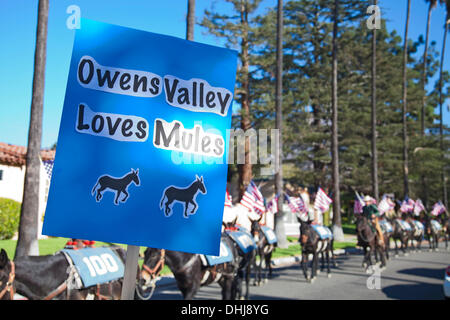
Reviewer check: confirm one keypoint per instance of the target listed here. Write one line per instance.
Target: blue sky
(18, 31)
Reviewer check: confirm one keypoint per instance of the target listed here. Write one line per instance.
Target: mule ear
(3, 258)
(197, 178)
(201, 178)
(137, 171)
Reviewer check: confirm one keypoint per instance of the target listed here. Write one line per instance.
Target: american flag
(384, 205)
(359, 204)
(48, 166)
(407, 205)
(297, 206)
(438, 208)
(228, 200)
(418, 207)
(272, 206)
(253, 199)
(322, 201)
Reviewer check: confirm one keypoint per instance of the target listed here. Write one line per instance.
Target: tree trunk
(374, 115)
(441, 102)
(190, 20)
(27, 243)
(337, 225)
(279, 224)
(404, 109)
(424, 101)
(245, 170)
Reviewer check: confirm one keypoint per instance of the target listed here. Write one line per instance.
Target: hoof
(406, 254)
(319, 271)
(242, 298)
(312, 280)
(266, 280)
(329, 275)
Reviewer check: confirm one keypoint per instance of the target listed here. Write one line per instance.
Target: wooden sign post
(129, 279)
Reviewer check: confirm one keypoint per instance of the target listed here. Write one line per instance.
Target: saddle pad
(96, 265)
(419, 225)
(270, 235)
(436, 225)
(243, 239)
(323, 232)
(403, 224)
(386, 226)
(226, 255)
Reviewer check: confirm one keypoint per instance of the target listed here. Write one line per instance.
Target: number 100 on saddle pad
(143, 141)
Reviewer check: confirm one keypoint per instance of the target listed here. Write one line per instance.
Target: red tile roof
(16, 155)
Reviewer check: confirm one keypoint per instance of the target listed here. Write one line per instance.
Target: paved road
(416, 276)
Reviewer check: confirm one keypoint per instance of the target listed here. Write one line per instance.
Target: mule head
(135, 177)
(200, 184)
(6, 277)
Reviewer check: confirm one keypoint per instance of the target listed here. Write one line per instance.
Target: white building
(12, 175)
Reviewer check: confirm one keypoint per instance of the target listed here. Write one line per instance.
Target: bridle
(153, 273)
(9, 285)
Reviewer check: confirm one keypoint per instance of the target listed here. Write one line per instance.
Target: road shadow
(425, 272)
(421, 291)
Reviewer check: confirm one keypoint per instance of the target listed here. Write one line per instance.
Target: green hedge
(9, 218)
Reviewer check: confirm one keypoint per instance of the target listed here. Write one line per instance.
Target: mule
(189, 271)
(119, 185)
(369, 240)
(47, 277)
(183, 195)
(312, 244)
(399, 234)
(431, 233)
(245, 261)
(7, 276)
(417, 233)
(264, 251)
(445, 221)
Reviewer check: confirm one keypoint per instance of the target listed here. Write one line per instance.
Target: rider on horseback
(370, 211)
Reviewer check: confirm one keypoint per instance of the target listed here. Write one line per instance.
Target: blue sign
(322, 231)
(142, 149)
(96, 265)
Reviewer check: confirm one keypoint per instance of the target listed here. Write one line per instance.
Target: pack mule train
(119, 185)
(183, 195)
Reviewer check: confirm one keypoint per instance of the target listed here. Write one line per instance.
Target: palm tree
(279, 225)
(447, 22)
(190, 20)
(337, 224)
(404, 97)
(28, 228)
(374, 113)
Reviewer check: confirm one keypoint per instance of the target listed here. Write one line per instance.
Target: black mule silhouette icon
(183, 195)
(119, 185)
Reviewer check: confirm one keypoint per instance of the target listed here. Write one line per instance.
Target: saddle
(243, 239)
(92, 266)
(436, 226)
(269, 234)
(323, 232)
(405, 226)
(385, 226)
(226, 255)
(419, 228)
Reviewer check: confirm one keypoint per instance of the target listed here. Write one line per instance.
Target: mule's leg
(269, 264)
(195, 206)
(99, 193)
(167, 211)
(314, 266)
(328, 260)
(247, 281)
(305, 265)
(126, 195)
(116, 200)
(186, 204)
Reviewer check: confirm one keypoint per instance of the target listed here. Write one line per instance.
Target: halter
(154, 272)
(9, 285)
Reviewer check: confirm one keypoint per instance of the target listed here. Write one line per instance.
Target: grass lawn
(52, 245)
